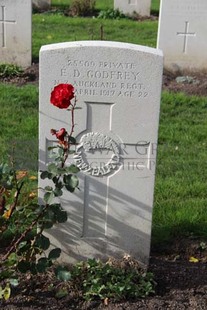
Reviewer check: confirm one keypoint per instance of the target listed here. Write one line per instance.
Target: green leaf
(60, 151)
(61, 293)
(54, 254)
(5, 274)
(54, 179)
(48, 197)
(62, 273)
(50, 214)
(52, 168)
(14, 282)
(7, 292)
(55, 206)
(20, 208)
(72, 169)
(48, 224)
(74, 181)
(60, 171)
(42, 264)
(51, 147)
(1, 292)
(58, 192)
(39, 209)
(59, 185)
(71, 182)
(72, 140)
(42, 242)
(58, 159)
(44, 175)
(69, 188)
(8, 185)
(50, 176)
(33, 268)
(61, 216)
(48, 188)
(5, 169)
(24, 247)
(23, 266)
(12, 258)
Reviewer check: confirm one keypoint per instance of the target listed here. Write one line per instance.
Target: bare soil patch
(191, 83)
(181, 284)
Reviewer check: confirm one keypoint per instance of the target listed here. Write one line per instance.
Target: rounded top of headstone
(106, 44)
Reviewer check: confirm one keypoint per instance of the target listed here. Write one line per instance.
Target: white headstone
(141, 7)
(41, 4)
(118, 87)
(15, 32)
(182, 34)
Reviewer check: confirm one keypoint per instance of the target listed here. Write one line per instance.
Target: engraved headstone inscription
(15, 32)
(141, 7)
(118, 88)
(182, 34)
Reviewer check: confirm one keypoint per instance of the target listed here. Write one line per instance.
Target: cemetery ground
(179, 249)
(178, 257)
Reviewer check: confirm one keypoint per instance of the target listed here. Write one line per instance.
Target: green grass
(180, 188)
(51, 28)
(56, 28)
(18, 119)
(180, 191)
(155, 6)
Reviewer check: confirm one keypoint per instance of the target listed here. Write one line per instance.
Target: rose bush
(26, 252)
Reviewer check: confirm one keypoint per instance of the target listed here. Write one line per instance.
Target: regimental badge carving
(92, 142)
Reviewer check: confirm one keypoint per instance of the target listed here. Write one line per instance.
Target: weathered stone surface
(15, 32)
(182, 34)
(118, 88)
(141, 7)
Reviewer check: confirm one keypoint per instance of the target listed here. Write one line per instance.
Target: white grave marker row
(118, 87)
(15, 32)
(141, 7)
(182, 34)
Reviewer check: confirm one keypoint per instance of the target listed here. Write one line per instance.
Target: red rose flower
(60, 134)
(61, 95)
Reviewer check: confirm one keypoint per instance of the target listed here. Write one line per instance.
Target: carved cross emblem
(185, 35)
(3, 22)
(99, 156)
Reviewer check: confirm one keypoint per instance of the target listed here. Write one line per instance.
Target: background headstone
(141, 7)
(182, 34)
(41, 5)
(118, 87)
(15, 32)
